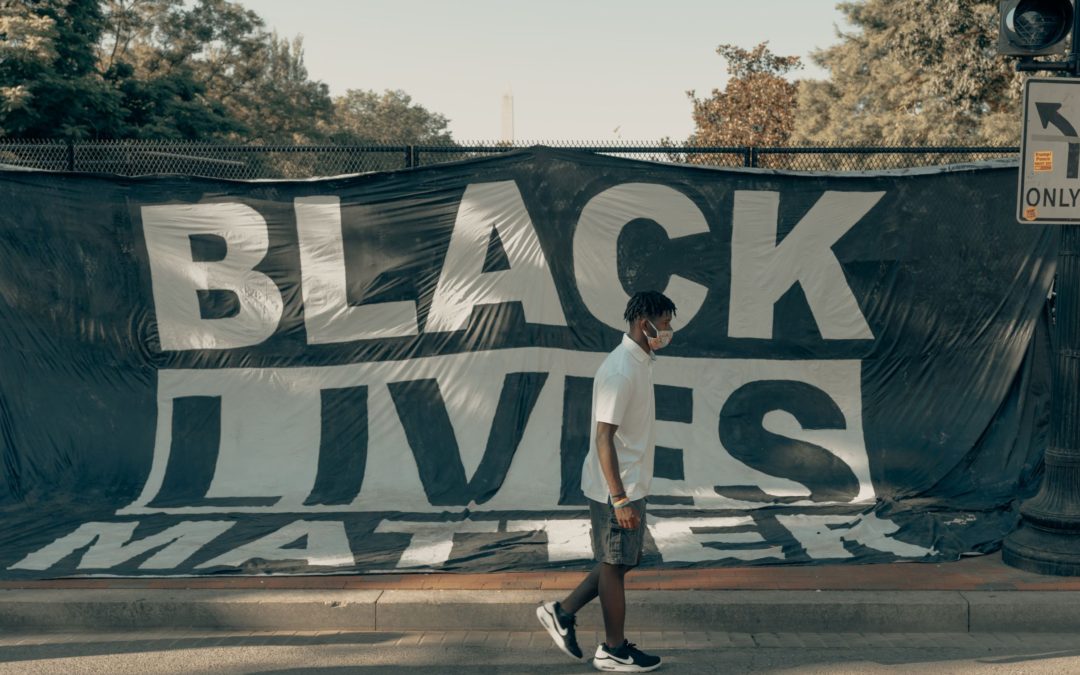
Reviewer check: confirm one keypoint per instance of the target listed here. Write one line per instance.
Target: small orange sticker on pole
(1044, 161)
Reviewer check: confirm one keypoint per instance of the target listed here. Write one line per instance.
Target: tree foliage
(756, 107)
(281, 104)
(390, 117)
(49, 84)
(913, 72)
(209, 70)
(178, 69)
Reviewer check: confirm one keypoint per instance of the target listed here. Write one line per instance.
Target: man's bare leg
(584, 593)
(607, 582)
(613, 601)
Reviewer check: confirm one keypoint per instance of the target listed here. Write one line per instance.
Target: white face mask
(662, 339)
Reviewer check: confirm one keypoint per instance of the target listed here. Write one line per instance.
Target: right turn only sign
(1050, 152)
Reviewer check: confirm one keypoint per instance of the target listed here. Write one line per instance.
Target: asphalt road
(332, 653)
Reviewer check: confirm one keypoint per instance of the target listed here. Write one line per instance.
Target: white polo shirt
(623, 395)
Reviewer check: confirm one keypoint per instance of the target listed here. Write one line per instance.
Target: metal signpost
(1047, 540)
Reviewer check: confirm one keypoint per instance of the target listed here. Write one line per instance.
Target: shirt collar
(636, 351)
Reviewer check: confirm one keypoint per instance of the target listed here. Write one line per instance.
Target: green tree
(214, 58)
(183, 68)
(281, 104)
(913, 72)
(180, 69)
(390, 117)
(49, 84)
(156, 69)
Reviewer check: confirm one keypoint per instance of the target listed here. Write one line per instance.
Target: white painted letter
(177, 278)
(327, 314)
(327, 546)
(678, 542)
(596, 238)
(762, 271)
(823, 542)
(567, 539)
(432, 543)
(463, 284)
(112, 545)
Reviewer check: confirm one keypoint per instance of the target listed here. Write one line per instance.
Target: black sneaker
(626, 658)
(562, 632)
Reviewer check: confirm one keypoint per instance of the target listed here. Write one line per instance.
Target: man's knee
(621, 570)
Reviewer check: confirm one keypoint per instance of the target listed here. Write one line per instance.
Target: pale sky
(579, 70)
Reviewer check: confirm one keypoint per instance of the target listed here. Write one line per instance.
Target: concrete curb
(123, 609)
(732, 611)
(29, 610)
(1036, 611)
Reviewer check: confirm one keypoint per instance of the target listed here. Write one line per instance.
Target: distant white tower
(508, 116)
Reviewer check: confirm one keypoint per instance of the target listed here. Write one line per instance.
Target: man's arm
(609, 464)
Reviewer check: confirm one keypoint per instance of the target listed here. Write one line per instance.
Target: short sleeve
(612, 396)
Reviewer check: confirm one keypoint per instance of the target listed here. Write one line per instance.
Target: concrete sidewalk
(972, 595)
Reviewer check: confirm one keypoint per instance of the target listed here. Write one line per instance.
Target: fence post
(70, 155)
(410, 156)
(753, 157)
(748, 157)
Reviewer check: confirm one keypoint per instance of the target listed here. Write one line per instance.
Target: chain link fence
(218, 160)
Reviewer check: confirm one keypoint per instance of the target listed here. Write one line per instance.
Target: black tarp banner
(392, 371)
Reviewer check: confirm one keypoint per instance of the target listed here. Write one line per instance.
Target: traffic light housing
(1034, 27)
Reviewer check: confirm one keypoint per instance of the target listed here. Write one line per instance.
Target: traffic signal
(1034, 27)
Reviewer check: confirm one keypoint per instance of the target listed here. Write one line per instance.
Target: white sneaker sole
(610, 666)
(548, 622)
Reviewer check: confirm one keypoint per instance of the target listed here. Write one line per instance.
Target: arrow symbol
(1049, 113)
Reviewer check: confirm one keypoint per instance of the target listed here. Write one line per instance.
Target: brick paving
(202, 652)
(982, 573)
(668, 640)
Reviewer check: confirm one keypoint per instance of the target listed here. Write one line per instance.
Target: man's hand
(628, 517)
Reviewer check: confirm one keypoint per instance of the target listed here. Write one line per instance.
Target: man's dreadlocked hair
(648, 304)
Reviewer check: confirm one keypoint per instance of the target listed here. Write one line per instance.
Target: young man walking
(615, 478)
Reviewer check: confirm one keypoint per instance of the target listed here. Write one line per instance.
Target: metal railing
(221, 160)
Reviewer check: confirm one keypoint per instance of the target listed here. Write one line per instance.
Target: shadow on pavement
(1005, 660)
(377, 653)
(434, 670)
(75, 648)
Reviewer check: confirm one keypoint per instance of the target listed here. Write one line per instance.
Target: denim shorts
(613, 544)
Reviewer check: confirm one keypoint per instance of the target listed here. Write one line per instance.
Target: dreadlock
(648, 304)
